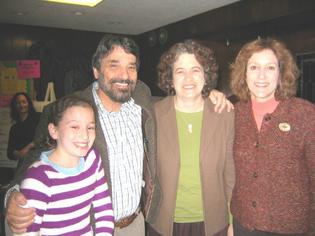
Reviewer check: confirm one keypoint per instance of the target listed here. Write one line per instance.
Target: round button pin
(285, 127)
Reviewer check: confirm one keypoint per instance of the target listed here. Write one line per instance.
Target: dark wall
(289, 20)
(65, 55)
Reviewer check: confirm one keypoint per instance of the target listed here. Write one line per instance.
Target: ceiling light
(89, 3)
(78, 13)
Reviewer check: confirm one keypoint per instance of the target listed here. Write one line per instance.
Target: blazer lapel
(168, 126)
(209, 122)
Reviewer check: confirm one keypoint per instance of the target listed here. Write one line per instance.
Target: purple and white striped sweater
(63, 198)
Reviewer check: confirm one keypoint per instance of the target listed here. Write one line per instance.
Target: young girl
(69, 180)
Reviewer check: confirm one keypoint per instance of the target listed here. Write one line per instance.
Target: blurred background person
(22, 131)
(274, 148)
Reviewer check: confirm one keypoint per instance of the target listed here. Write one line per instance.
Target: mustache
(126, 81)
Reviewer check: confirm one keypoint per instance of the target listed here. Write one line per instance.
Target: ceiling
(130, 17)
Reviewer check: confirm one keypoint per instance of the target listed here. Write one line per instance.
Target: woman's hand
(22, 152)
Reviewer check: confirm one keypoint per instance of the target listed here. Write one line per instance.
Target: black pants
(239, 230)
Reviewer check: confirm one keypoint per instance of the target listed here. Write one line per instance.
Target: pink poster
(5, 100)
(28, 69)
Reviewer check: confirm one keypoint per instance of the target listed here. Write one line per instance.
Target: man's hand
(220, 101)
(19, 218)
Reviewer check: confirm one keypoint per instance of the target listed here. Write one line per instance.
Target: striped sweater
(63, 197)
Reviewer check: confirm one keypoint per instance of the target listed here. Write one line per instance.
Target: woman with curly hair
(194, 145)
(274, 147)
(25, 120)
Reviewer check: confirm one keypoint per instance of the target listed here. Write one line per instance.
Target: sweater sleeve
(102, 204)
(35, 188)
(309, 141)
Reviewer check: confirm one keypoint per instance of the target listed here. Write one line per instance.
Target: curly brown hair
(204, 55)
(289, 71)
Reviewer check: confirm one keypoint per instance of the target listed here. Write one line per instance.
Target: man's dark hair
(108, 43)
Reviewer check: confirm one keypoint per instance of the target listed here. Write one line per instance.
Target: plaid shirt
(123, 134)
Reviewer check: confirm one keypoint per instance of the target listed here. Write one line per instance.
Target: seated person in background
(22, 132)
(68, 179)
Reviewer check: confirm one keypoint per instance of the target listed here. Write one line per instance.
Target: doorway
(306, 86)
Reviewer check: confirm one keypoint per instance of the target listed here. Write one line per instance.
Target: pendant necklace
(189, 128)
(189, 125)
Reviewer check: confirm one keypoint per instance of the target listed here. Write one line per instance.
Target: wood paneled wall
(288, 20)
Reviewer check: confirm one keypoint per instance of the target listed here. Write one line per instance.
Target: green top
(189, 206)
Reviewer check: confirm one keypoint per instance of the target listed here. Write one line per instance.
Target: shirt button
(267, 118)
(255, 175)
(254, 204)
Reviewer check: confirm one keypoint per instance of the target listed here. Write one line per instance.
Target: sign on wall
(28, 69)
(9, 81)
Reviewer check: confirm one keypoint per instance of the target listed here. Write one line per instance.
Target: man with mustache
(125, 138)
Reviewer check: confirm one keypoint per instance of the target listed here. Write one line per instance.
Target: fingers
(218, 99)
(16, 199)
(212, 96)
(225, 104)
(19, 218)
(221, 103)
(229, 105)
(19, 226)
